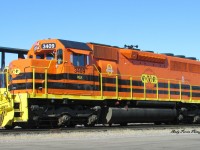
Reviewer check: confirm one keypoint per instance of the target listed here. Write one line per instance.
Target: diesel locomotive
(63, 83)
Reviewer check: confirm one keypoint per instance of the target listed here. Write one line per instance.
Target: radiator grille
(102, 52)
(178, 66)
(194, 68)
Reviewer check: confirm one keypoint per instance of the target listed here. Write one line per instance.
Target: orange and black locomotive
(65, 83)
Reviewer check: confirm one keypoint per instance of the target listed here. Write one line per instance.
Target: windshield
(47, 56)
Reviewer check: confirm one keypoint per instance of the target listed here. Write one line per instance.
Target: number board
(48, 46)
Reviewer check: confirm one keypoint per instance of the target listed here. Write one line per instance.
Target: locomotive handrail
(169, 95)
(131, 87)
(131, 77)
(117, 90)
(101, 81)
(45, 80)
(145, 91)
(96, 68)
(157, 93)
(168, 81)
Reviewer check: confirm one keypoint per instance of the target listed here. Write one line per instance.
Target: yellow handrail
(45, 85)
(117, 90)
(157, 93)
(101, 85)
(169, 94)
(190, 93)
(33, 92)
(131, 87)
(96, 68)
(144, 90)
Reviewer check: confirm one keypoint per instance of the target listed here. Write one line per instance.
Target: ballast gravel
(95, 135)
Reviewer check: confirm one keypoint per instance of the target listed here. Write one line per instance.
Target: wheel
(196, 119)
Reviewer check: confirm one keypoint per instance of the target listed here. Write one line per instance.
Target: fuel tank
(140, 115)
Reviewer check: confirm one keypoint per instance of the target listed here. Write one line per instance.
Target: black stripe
(97, 79)
(108, 88)
(162, 92)
(123, 82)
(174, 86)
(124, 90)
(97, 87)
(186, 93)
(70, 86)
(185, 87)
(163, 85)
(174, 92)
(138, 83)
(57, 76)
(195, 94)
(138, 91)
(195, 87)
(109, 80)
(69, 76)
(53, 85)
(151, 91)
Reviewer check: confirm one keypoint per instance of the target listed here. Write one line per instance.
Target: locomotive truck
(63, 83)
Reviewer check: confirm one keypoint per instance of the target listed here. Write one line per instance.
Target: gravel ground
(98, 135)
(112, 139)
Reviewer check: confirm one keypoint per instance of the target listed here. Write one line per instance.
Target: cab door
(80, 73)
(56, 75)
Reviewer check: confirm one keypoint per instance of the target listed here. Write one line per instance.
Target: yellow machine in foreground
(7, 102)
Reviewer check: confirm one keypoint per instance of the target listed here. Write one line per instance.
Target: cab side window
(78, 59)
(60, 56)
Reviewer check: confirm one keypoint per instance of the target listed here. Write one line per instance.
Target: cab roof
(75, 45)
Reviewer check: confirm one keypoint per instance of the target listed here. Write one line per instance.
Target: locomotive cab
(62, 51)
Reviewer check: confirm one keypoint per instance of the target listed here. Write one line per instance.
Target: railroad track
(100, 128)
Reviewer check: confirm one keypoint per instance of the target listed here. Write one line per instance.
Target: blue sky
(171, 26)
